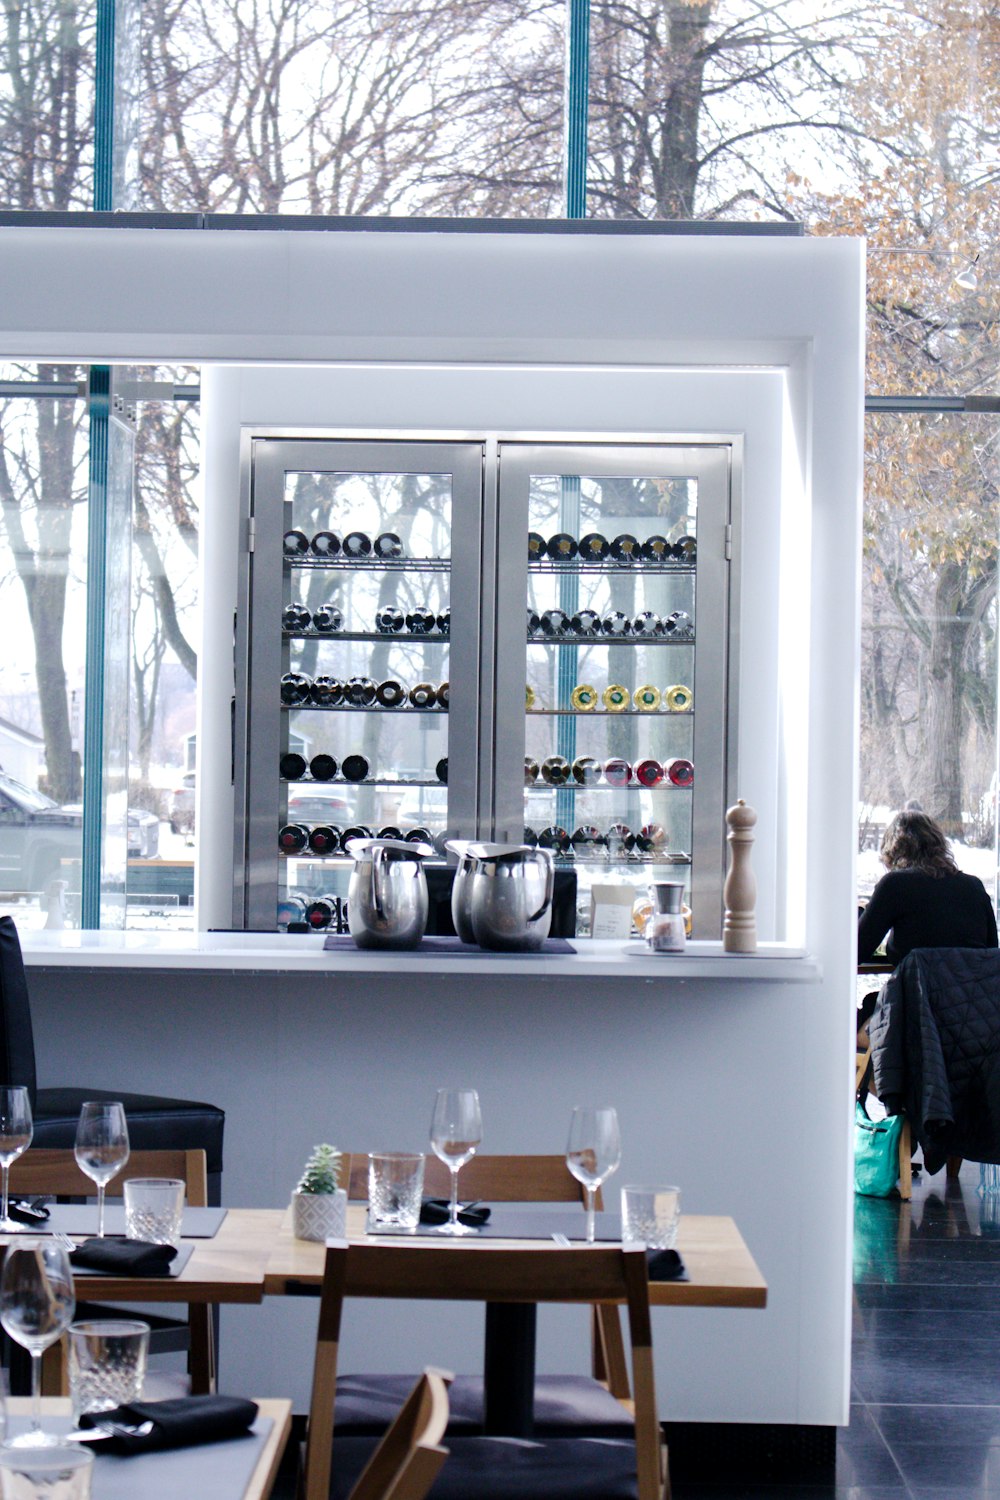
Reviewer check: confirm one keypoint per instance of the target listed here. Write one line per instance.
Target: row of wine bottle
(323, 767)
(624, 549)
(619, 838)
(328, 618)
(298, 689)
(556, 770)
(587, 624)
(355, 545)
(616, 698)
(326, 838)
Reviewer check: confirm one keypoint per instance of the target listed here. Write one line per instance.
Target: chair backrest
(17, 1042)
(47, 1170)
(407, 1460)
(491, 1273)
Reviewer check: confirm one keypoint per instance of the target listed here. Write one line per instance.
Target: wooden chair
(599, 1405)
(407, 1460)
(493, 1468)
(55, 1173)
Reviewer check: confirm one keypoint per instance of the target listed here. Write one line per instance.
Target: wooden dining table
(721, 1272)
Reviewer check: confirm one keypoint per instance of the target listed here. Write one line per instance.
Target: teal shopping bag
(876, 1153)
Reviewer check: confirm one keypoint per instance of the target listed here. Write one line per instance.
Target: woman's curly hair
(913, 841)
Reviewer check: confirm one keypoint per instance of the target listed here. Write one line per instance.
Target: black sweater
(926, 911)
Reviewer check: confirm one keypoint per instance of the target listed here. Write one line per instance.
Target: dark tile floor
(925, 1391)
(925, 1387)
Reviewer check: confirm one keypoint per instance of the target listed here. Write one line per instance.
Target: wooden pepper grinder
(739, 927)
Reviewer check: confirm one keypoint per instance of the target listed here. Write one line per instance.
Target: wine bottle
(556, 623)
(294, 617)
(647, 698)
(616, 624)
(586, 770)
(584, 698)
(679, 626)
(536, 547)
(322, 767)
(323, 839)
(354, 768)
(357, 545)
(686, 549)
(593, 547)
(649, 773)
(390, 831)
(616, 698)
(292, 766)
(294, 688)
(652, 838)
(617, 772)
(534, 622)
(647, 624)
(620, 837)
(530, 699)
(444, 621)
(530, 771)
(291, 909)
(319, 913)
(421, 621)
(561, 547)
(655, 549)
(389, 620)
(358, 831)
(423, 695)
(556, 770)
(587, 838)
(554, 838)
(326, 692)
(679, 772)
(293, 838)
(443, 694)
(422, 836)
(530, 837)
(325, 544)
(328, 618)
(388, 545)
(441, 770)
(625, 549)
(361, 692)
(390, 694)
(586, 622)
(295, 544)
(678, 698)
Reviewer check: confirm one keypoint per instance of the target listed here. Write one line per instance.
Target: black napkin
(438, 1211)
(665, 1265)
(28, 1213)
(176, 1424)
(129, 1257)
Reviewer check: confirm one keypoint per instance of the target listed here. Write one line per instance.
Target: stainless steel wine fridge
(524, 640)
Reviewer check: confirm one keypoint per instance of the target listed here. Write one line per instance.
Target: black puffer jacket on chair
(935, 1038)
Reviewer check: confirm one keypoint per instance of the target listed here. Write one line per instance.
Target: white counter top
(274, 953)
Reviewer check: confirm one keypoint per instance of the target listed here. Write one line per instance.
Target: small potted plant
(319, 1205)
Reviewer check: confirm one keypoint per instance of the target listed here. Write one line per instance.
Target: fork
(63, 1241)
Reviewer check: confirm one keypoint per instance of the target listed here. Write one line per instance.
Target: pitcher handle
(548, 864)
(378, 859)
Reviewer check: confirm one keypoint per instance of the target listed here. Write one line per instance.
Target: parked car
(180, 809)
(36, 834)
(319, 802)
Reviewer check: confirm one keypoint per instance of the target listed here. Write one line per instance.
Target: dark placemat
(336, 942)
(175, 1268)
(81, 1219)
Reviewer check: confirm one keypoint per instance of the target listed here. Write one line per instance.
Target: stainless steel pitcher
(387, 895)
(470, 854)
(510, 896)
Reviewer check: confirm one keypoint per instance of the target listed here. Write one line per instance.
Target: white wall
(583, 324)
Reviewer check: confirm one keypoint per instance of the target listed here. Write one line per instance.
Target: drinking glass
(101, 1147)
(36, 1305)
(593, 1151)
(456, 1131)
(154, 1210)
(107, 1363)
(15, 1137)
(54, 1473)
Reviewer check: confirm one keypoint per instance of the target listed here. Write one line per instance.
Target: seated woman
(923, 901)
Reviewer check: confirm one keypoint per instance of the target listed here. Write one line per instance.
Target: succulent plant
(322, 1171)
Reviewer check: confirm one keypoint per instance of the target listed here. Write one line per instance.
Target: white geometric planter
(320, 1216)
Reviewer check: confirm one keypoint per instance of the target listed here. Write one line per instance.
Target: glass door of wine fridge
(620, 556)
(357, 657)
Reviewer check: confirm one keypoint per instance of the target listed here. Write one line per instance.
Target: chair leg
(201, 1360)
(905, 1169)
(954, 1166)
(55, 1371)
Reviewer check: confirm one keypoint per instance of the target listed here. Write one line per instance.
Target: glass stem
(453, 1207)
(100, 1210)
(6, 1202)
(591, 1221)
(36, 1390)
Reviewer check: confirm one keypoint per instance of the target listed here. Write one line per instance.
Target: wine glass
(101, 1147)
(15, 1137)
(593, 1151)
(456, 1130)
(36, 1306)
